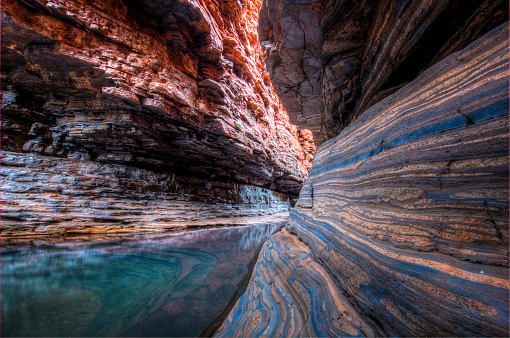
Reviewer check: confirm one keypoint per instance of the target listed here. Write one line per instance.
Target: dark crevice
(499, 236)
(456, 13)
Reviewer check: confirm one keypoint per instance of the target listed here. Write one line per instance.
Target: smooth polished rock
(290, 294)
(402, 226)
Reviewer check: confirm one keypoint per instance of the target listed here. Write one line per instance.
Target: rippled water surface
(157, 285)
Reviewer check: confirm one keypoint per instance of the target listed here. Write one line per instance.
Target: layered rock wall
(331, 60)
(402, 226)
(177, 87)
(44, 195)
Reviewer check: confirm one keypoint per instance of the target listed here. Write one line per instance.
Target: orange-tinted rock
(173, 86)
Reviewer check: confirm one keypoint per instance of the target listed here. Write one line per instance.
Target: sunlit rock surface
(176, 92)
(331, 60)
(175, 86)
(402, 227)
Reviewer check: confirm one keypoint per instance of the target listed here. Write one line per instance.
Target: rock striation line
(291, 294)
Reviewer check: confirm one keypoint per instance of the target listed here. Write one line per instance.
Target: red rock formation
(176, 86)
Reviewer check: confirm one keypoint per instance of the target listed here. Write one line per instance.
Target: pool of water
(153, 285)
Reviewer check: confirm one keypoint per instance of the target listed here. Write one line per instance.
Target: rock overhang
(179, 86)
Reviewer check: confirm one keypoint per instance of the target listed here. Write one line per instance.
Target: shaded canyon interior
(143, 115)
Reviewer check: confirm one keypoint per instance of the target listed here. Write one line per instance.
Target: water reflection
(157, 285)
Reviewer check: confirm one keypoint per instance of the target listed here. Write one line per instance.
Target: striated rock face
(331, 60)
(291, 295)
(175, 87)
(402, 226)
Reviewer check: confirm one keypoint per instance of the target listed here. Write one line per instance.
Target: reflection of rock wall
(177, 86)
(331, 60)
(170, 275)
(402, 226)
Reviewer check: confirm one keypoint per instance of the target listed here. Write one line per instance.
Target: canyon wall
(402, 226)
(176, 89)
(331, 60)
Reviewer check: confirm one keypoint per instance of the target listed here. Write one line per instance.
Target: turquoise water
(159, 285)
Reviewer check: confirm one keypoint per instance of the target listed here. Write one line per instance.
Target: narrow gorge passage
(401, 228)
(145, 159)
(142, 116)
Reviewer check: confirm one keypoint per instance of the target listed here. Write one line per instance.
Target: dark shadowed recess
(363, 50)
(456, 20)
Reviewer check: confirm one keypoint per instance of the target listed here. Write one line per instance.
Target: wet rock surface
(331, 60)
(402, 226)
(292, 295)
